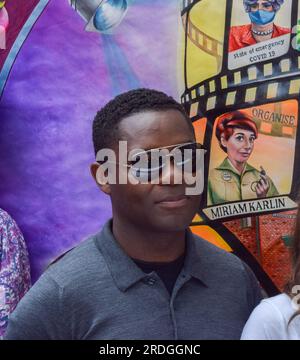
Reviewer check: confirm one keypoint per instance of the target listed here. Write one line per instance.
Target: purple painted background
(60, 78)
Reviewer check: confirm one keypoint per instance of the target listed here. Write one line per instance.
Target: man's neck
(144, 244)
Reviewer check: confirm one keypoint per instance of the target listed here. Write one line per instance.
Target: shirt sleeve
(254, 291)
(265, 323)
(38, 315)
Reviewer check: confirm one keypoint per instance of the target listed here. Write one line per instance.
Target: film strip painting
(187, 4)
(256, 92)
(252, 77)
(253, 85)
(242, 89)
(202, 40)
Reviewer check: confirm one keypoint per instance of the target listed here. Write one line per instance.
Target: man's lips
(172, 202)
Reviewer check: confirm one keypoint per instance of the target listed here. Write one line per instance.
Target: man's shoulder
(221, 267)
(216, 258)
(81, 263)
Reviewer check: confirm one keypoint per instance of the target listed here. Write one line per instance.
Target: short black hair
(107, 120)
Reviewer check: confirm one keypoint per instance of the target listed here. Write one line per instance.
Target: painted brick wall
(270, 250)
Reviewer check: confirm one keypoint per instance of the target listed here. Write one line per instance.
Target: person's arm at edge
(38, 315)
(265, 323)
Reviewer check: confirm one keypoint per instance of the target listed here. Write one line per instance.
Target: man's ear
(100, 178)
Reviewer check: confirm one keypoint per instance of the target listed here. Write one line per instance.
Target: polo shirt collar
(193, 264)
(123, 270)
(126, 273)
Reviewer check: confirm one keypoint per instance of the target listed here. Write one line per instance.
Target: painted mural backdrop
(60, 61)
(240, 66)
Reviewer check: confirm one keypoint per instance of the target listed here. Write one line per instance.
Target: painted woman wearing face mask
(234, 179)
(262, 14)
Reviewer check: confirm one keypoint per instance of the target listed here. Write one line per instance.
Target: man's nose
(171, 174)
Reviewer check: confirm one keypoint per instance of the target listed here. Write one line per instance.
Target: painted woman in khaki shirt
(234, 179)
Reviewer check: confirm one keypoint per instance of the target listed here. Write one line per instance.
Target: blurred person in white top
(278, 317)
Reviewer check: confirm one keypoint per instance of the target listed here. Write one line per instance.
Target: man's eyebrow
(175, 145)
(148, 148)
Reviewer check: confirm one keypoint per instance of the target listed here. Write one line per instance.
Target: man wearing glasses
(145, 275)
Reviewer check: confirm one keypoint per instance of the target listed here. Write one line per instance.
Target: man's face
(157, 207)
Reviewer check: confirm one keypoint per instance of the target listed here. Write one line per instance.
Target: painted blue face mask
(262, 17)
